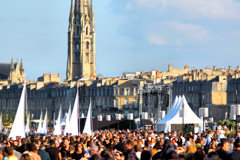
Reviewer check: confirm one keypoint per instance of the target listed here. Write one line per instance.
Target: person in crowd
(223, 151)
(124, 144)
(236, 153)
(33, 152)
(8, 152)
(79, 151)
(53, 151)
(42, 153)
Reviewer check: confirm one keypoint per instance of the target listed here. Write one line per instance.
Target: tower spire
(71, 11)
(91, 8)
(21, 66)
(77, 5)
(12, 64)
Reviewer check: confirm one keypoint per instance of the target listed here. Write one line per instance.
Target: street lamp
(108, 118)
(130, 118)
(118, 118)
(203, 113)
(99, 118)
(144, 117)
(235, 114)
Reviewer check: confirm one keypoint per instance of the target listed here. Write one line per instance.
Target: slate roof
(134, 83)
(4, 70)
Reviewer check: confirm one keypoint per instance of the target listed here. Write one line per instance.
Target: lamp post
(108, 118)
(130, 118)
(237, 115)
(118, 118)
(203, 113)
(144, 117)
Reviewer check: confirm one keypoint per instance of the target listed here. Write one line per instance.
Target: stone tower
(81, 41)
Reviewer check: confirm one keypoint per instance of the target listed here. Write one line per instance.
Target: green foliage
(7, 119)
(233, 125)
(227, 123)
(220, 122)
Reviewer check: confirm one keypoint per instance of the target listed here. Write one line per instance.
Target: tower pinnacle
(81, 41)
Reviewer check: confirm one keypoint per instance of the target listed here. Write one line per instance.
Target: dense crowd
(123, 145)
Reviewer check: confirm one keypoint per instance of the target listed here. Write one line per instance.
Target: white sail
(18, 124)
(67, 122)
(88, 124)
(57, 127)
(73, 128)
(27, 128)
(44, 127)
(39, 129)
(82, 115)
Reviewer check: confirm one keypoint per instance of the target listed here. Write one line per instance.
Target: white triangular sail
(39, 129)
(18, 124)
(57, 127)
(82, 115)
(88, 124)
(67, 122)
(44, 127)
(27, 128)
(73, 128)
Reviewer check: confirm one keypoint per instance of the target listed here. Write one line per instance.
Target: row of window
(125, 92)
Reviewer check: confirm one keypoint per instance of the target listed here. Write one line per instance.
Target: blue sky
(131, 34)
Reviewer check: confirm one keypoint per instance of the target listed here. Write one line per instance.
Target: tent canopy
(180, 113)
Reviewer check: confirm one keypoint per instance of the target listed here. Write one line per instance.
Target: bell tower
(81, 41)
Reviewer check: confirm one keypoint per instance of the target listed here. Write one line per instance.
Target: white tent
(67, 122)
(44, 127)
(39, 129)
(88, 124)
(179, 114)
(27, 128)
(18, 124)
(73, 128)
(82, 115)
(57, 126)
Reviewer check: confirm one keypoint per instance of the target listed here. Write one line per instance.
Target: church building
(81, 62)
(12, 73)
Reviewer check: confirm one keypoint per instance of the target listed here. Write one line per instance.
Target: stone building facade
(81, 41)
(12, 73)
(211, 87)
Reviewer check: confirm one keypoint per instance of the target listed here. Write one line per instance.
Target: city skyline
(150, 33)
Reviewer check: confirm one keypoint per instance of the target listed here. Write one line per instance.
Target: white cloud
(212, 9)
(188, 30)
(157, 40)
(149, 3)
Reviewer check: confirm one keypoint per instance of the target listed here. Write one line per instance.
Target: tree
(220, 122)
(7, 119)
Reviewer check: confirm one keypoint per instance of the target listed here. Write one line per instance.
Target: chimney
(58, 75)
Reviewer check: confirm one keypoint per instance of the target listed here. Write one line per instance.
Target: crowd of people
(123, 145)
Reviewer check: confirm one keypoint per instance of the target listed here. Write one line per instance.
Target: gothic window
(87, 57)
(87, 45)
(86, 30)
(77, 46)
